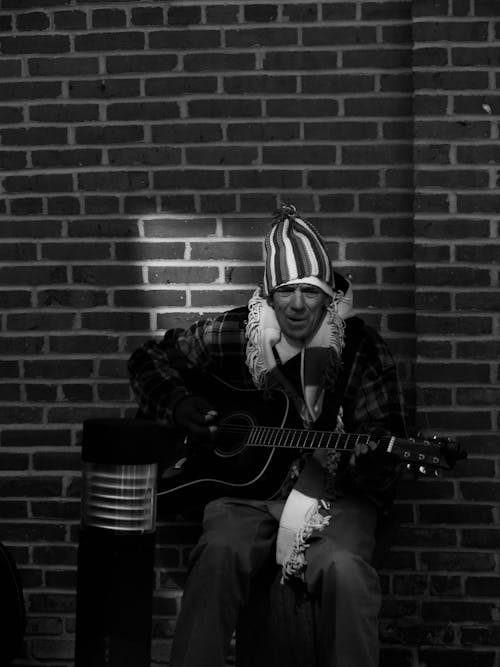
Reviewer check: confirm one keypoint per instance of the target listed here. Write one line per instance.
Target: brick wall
(143, 146)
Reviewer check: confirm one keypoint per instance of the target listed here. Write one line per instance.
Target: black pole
(116, 543)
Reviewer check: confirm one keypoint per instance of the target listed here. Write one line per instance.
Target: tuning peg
(422, 470)
(437, 473)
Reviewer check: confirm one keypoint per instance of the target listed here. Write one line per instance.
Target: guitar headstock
(423, 453)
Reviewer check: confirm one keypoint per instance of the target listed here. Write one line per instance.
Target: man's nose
(297, 299)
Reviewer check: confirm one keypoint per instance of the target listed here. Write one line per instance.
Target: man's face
(299, 310)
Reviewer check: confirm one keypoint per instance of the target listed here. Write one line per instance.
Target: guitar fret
(288, 434)
(285, 434)
(322, 437)
(317, 438)
(299, 444)
(330, 436)
(258, 435)
(350, 440)
(341, 440)
(296, 439)
(305, 437)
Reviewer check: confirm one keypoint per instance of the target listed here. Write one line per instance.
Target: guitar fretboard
(269, 436)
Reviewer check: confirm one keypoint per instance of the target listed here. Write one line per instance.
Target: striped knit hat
(295, 253)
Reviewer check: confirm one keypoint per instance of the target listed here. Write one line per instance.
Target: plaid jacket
(371, 399)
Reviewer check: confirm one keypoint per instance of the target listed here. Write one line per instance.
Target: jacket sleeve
(375, 408)
(156, 369)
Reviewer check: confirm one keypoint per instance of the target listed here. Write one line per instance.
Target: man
(296, 335)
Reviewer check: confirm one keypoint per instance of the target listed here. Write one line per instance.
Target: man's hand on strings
(196, 417)
(358, 455)
(373, 468)
(361, 450)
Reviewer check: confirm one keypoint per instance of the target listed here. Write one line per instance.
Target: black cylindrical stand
(116, 544)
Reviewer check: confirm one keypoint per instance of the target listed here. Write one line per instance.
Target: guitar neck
(264, 436)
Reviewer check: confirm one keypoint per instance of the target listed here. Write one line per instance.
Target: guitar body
(227, 467)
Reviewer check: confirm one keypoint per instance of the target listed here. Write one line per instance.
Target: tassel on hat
(296, 253)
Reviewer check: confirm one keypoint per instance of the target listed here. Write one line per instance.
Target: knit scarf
(302, 511)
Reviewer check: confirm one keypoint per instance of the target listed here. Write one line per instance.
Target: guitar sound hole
(232, 433)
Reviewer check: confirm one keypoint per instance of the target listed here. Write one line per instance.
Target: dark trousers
(239, 538)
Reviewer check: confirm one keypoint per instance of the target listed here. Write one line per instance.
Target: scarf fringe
(337, 326)
(254, 359)
(296, 562)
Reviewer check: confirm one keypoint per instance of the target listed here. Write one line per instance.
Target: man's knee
(347, 564)
(217, 548)
(344, 571)
(222, 516)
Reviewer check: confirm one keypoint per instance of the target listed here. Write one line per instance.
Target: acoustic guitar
(256, 441)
